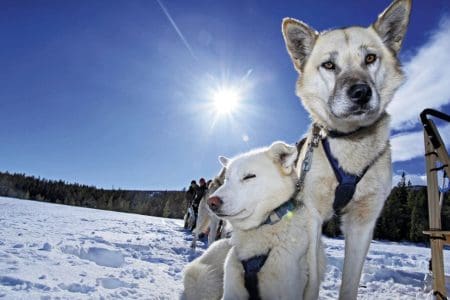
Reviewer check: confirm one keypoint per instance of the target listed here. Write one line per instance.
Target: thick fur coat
(347, 78)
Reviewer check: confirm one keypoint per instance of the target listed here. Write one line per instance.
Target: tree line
(167, 204)
(404, 217)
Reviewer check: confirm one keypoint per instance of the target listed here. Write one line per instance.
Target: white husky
(271, 255)
(348, 77)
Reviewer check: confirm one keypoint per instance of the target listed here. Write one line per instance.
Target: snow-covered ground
(49, 251)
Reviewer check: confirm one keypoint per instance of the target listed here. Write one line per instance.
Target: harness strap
(299, 146)
(252, 266)
(346, 182)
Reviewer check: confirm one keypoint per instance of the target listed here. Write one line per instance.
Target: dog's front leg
(213, 225)
(357, 240)
(314, 261)
(233, 284)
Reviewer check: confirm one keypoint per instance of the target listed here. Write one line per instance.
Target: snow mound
(46, 247)
(19, 284)
(100, 256)
(114, 283)
(77, 288)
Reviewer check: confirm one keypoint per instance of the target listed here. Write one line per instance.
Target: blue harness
(346, 182)
(254, 264)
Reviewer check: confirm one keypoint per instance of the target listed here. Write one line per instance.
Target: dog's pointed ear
(283, 154)
(221, 177)
(391, 24)
(299, 39)
(224, 161)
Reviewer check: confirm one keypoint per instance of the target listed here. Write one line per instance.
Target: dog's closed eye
(248, 176)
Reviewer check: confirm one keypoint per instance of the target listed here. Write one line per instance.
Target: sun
(226, 100)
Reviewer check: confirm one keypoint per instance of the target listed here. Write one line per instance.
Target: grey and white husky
(347, 78)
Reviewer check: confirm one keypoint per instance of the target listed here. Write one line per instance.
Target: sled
(437, 159)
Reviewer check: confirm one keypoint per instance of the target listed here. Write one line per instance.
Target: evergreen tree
(404, 212)
(417, 201)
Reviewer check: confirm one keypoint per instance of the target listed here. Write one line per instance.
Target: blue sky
(107, 93)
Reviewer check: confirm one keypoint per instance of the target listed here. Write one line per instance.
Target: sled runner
(437, 159)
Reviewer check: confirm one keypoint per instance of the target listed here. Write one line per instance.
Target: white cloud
(427, 85)
(406, 146)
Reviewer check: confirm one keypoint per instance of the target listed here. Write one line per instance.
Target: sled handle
(429, 129)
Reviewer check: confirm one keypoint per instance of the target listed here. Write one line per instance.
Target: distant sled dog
(206, 219)
(270, 254)
(347, 78)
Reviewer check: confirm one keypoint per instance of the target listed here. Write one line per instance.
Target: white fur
(203, 277)
(294, 267)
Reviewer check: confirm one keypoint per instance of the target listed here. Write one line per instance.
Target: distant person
(190, 195)
(191, 192)
(201, 191)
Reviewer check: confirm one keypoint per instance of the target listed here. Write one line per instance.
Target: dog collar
(338, 134)
(279, 212)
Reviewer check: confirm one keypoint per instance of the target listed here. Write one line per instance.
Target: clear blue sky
(107, 93)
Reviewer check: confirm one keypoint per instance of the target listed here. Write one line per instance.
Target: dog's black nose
(214, 203)
(360, 93)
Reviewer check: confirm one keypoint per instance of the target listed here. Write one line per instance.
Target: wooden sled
(437, 159)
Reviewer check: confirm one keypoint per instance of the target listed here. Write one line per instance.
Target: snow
(50, 250)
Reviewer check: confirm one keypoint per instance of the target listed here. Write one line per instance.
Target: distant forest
(167, 204)
(404, 217)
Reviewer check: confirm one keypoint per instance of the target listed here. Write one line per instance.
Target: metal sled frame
(437, 159)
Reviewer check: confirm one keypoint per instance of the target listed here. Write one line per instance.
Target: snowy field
(50, 251)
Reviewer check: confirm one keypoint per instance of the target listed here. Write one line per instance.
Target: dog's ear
(299, 39)
(224, 161)
(284, 155)
(391, 24)
(221, 177)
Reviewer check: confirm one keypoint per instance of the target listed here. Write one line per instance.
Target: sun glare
(226, 100)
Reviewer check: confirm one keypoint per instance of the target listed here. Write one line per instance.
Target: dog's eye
(328, 65)
(370, 58)
(249, 176)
